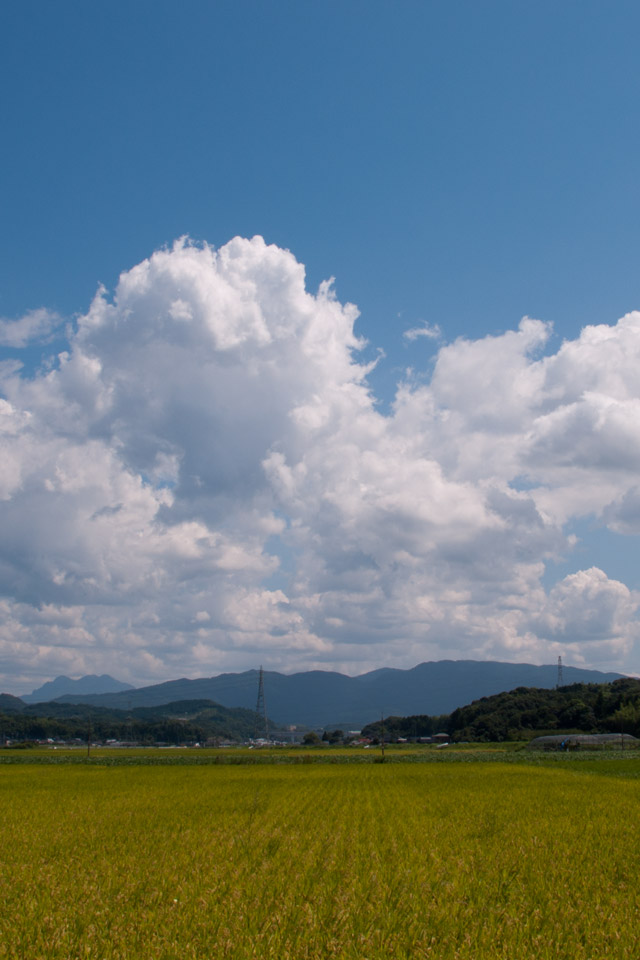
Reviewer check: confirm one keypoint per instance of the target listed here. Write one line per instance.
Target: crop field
(362, 861)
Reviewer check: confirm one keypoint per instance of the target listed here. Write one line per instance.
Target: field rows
(293, 862)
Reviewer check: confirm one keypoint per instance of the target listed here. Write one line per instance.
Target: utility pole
(261, 709)
(559, 681)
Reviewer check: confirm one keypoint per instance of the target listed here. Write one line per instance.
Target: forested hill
(525, 711)
(194, 720)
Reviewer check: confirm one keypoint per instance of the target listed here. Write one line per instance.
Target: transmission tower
(559, 681)
(262, 721)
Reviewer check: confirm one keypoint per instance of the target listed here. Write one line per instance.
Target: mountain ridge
(89, 685)
(320, 698)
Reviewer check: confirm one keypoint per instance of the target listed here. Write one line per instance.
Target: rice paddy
(305, 861)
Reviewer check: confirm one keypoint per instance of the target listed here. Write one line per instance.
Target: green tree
(577, 714)
(311, 739)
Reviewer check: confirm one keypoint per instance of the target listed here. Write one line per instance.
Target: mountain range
(91, 684)
(320, 698)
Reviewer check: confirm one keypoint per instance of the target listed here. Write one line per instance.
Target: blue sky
(455, 165)
(461, 163)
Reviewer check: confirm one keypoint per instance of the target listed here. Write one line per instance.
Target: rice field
(360, 861)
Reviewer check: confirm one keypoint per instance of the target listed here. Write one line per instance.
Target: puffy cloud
(586, 608)
(36, 325)
(202, 481)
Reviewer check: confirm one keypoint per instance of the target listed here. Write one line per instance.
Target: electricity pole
(261, 709)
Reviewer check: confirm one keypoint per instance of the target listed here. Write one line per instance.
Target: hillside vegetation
(525, 711)
(183, 721)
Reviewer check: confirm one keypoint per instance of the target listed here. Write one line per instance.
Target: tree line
(529, 711)
(181, 722)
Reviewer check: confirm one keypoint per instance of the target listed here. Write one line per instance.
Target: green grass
(297, 861)
(509, 752)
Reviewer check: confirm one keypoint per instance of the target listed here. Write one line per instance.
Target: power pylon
(262, 721)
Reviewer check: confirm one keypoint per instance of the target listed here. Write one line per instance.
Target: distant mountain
(85, 686)
(322, 699)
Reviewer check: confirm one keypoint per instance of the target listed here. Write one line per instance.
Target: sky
(318, 336)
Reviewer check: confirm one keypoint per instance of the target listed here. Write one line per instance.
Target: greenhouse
(584, 741)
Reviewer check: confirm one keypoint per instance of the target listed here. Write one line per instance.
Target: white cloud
(202, 481)
(430, 331)
(36, 325)
(586, 610)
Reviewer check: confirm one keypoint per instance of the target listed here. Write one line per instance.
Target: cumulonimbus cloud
(203, 481)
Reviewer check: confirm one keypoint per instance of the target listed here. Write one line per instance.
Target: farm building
(584, 741)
